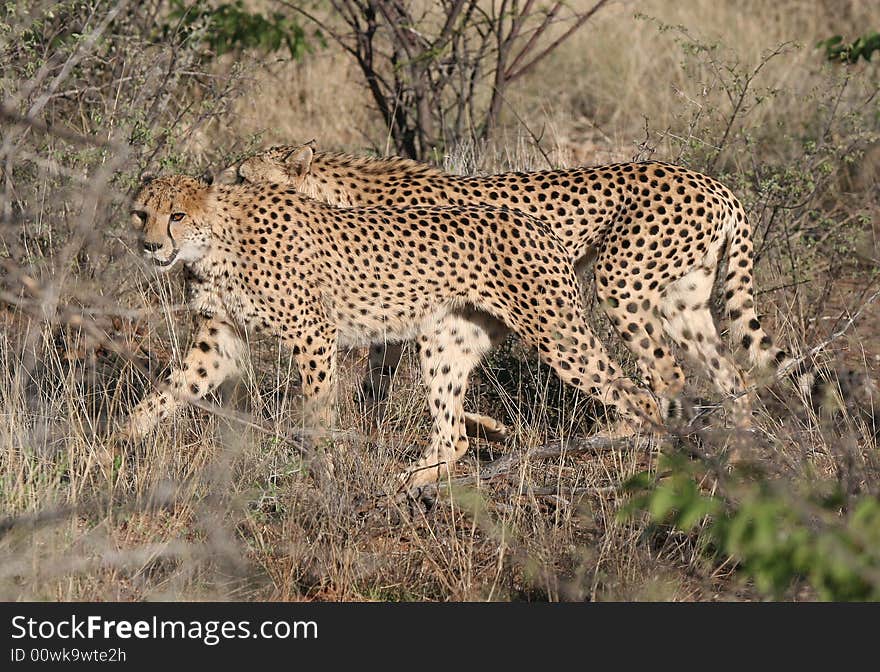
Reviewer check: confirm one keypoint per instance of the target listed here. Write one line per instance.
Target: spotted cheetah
(264, 257)
(655, 233)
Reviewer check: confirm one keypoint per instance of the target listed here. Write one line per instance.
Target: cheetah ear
(147, 177)
(299, 161)
(228, 175)
(207, 178)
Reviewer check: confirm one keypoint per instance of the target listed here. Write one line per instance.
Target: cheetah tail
(745, 328)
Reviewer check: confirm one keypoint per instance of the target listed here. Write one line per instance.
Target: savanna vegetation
(780, 101)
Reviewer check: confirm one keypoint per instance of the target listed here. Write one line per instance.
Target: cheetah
(265, 258)
(654, 232)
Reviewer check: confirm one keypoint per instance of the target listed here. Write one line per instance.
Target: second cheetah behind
(656, 232)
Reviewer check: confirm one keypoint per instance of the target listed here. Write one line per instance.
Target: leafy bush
(777, 534)
(863, 47)
(229, 27)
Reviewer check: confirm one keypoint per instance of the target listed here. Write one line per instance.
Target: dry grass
(215, 508)
(607, 80)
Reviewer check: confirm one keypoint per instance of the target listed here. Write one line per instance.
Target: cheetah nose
(151, 247)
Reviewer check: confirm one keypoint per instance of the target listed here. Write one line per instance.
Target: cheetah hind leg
(688, 321)
(448, 353)
(675, 411)
(641, 330)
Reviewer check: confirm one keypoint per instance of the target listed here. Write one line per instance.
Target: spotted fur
(656, 232)
(264, 257)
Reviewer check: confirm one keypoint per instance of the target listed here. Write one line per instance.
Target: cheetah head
(287, 165)
(169, 214)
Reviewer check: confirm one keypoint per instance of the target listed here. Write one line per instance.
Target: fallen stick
(507, 463)
(505, 466)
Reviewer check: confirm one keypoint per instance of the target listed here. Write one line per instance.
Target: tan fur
(656, 232)
(645, 226)
(263, 257)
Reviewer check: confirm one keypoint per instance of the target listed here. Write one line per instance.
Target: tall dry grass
(212, 507)
(589, 100)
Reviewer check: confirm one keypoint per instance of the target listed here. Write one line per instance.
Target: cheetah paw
(479, 426)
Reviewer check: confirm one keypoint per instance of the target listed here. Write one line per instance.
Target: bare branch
(424, 71)
(535, 36)
(512, 75)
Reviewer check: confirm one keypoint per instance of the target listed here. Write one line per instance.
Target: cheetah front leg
(315, 352)
(214, 357)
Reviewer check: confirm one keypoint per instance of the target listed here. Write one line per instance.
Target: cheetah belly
(388, 304)
(391, 324)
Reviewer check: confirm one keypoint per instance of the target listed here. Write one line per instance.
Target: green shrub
(229, 27)
(863, 47)
(778, 534)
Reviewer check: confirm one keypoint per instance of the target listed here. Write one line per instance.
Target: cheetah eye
(177, 216)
